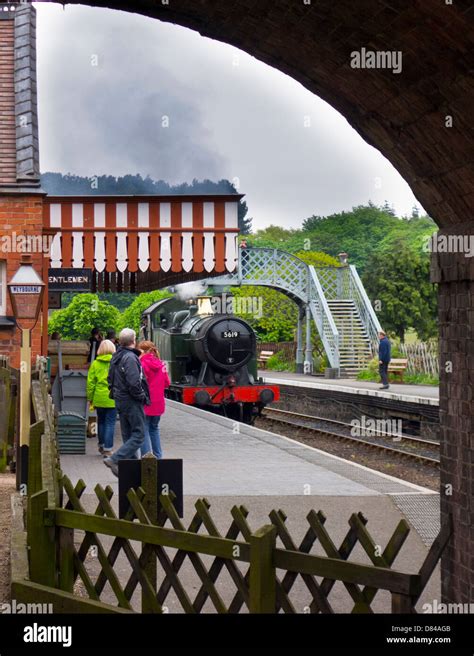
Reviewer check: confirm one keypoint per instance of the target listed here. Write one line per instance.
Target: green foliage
(317, 259)
(279, 315)
(271, 237)
(278, 362)
(132, 315)
(399, 280)
(371, 374)
(120, 300)
(86, 311)
(362, 232)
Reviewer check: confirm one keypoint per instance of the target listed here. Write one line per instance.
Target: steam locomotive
(211, 358)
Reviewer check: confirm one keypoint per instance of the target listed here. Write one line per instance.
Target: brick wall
(455, 274)
(22, 215)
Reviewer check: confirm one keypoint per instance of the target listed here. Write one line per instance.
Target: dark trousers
(132, 424)
(383, 371)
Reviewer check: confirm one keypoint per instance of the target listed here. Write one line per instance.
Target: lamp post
(26, 293)
(343, 258)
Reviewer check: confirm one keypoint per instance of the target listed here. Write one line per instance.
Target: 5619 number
(230, 334)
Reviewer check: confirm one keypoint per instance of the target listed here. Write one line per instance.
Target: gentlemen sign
(69, 280)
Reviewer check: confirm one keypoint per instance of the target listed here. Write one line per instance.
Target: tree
(245, 223)
(271, 237)
(86, 311)
(120, 300)
(318, 259)
(357, 232)
(131, 318)
(399, 280)
(274, 315)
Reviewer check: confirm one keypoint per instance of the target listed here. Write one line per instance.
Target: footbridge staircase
(331, 298)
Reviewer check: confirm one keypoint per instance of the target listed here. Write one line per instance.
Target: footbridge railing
(312, 288)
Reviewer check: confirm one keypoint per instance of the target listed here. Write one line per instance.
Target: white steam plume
(190, 290)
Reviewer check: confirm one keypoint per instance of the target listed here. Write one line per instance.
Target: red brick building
(21, 198)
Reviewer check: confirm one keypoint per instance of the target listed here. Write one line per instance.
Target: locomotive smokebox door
(169, 480)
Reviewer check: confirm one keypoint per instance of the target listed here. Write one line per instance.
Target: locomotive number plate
(230, 334)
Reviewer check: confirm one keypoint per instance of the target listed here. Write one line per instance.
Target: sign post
(26, 292)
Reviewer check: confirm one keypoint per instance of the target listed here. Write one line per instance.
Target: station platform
(421, 394)
(231, 463)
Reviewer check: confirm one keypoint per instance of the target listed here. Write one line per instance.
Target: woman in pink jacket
(158, 381)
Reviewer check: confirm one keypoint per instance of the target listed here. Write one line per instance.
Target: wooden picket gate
(84, 560)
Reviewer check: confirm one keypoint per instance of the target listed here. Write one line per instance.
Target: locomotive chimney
(204, 305)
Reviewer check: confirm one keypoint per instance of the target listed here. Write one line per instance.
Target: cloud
(107, 79)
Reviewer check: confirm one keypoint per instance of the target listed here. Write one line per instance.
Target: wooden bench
(397, 367)
(263, 358)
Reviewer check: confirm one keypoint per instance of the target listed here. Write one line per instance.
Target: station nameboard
(69, 280)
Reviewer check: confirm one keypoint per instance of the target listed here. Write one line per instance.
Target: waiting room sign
(69, 280)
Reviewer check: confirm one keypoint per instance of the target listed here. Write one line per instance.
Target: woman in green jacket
(98, 396)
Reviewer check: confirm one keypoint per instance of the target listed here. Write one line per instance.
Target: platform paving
(428, 394)
(264, 471)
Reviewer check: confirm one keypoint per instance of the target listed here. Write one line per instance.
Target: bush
(278, 362)
(371, 373)
(132, 315)
(84, 312)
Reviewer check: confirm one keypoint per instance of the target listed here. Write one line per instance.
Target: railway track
(418, 449)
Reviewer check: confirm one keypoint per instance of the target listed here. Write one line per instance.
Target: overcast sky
(107, 78)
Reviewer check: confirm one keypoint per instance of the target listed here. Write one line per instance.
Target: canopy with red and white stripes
(138, 233)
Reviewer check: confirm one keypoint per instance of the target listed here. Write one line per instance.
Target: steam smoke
(189, 290)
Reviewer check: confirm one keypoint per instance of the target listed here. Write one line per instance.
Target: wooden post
(262, 570)
(35, 482)
(402, 603)
(25, 402)
(149, 478)
(42, 542)
(66, 559)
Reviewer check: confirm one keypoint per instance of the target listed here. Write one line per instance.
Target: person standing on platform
(158, 381)
(128, 387)
(112, 336)
(94, 343)
(98, 397)
(385, 355)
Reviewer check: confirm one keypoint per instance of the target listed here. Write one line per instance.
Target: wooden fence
(150, 561)
(287, 348)
(423, 357)
(9, 379)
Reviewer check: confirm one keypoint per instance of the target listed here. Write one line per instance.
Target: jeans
(106, 427)
(152, 437)
(132, 424)
(383, 371)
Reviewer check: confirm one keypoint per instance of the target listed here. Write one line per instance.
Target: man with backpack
(129, 389)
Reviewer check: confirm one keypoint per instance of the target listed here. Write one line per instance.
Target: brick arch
(402, 115)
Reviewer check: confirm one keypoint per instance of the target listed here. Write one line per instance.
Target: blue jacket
(385, 350)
